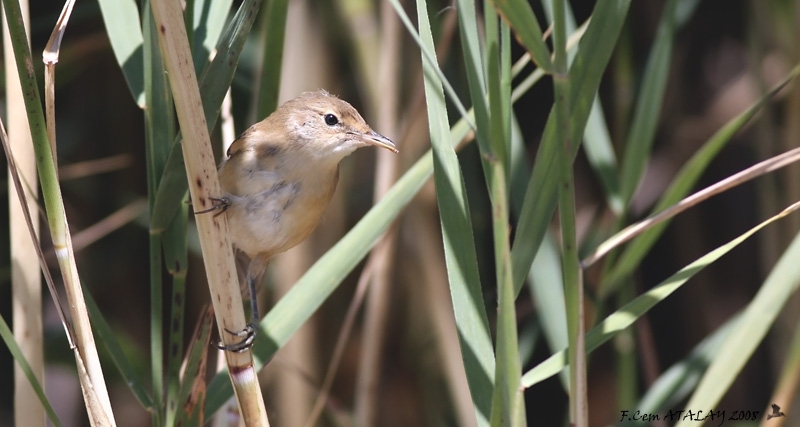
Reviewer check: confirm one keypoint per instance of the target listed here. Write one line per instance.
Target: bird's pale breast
(273, 210)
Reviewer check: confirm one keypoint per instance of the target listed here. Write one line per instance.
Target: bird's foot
(248, 335)
(217, 204)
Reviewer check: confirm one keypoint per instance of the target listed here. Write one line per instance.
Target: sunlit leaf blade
(124, 31)
(459, 244)
(601, 156)
(757, 319)
(474, 65)
(546, 287)
(629, 313)
(596, 138)
(648, 107)
(209, 20)
(570, 264)
(680, 186)
(507, 401)
(540, 198)
(675, 384)
(520, 17)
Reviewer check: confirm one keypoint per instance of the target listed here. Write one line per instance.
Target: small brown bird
(279, 177)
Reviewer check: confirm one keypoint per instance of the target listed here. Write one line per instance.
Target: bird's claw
(248, 335)
(217, 204)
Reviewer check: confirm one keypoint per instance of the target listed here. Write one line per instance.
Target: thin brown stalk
(222, 418)
(726, 184)
(94, 167)
(109, 224)
(203, 186)
(90, 372)
(341, 341)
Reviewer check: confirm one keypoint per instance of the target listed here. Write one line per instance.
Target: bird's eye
(331, 119)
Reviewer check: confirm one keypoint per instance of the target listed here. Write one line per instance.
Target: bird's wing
(252, 161)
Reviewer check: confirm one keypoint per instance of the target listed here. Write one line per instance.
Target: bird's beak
(378, 140)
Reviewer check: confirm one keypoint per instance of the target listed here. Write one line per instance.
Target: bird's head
(328, 126)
